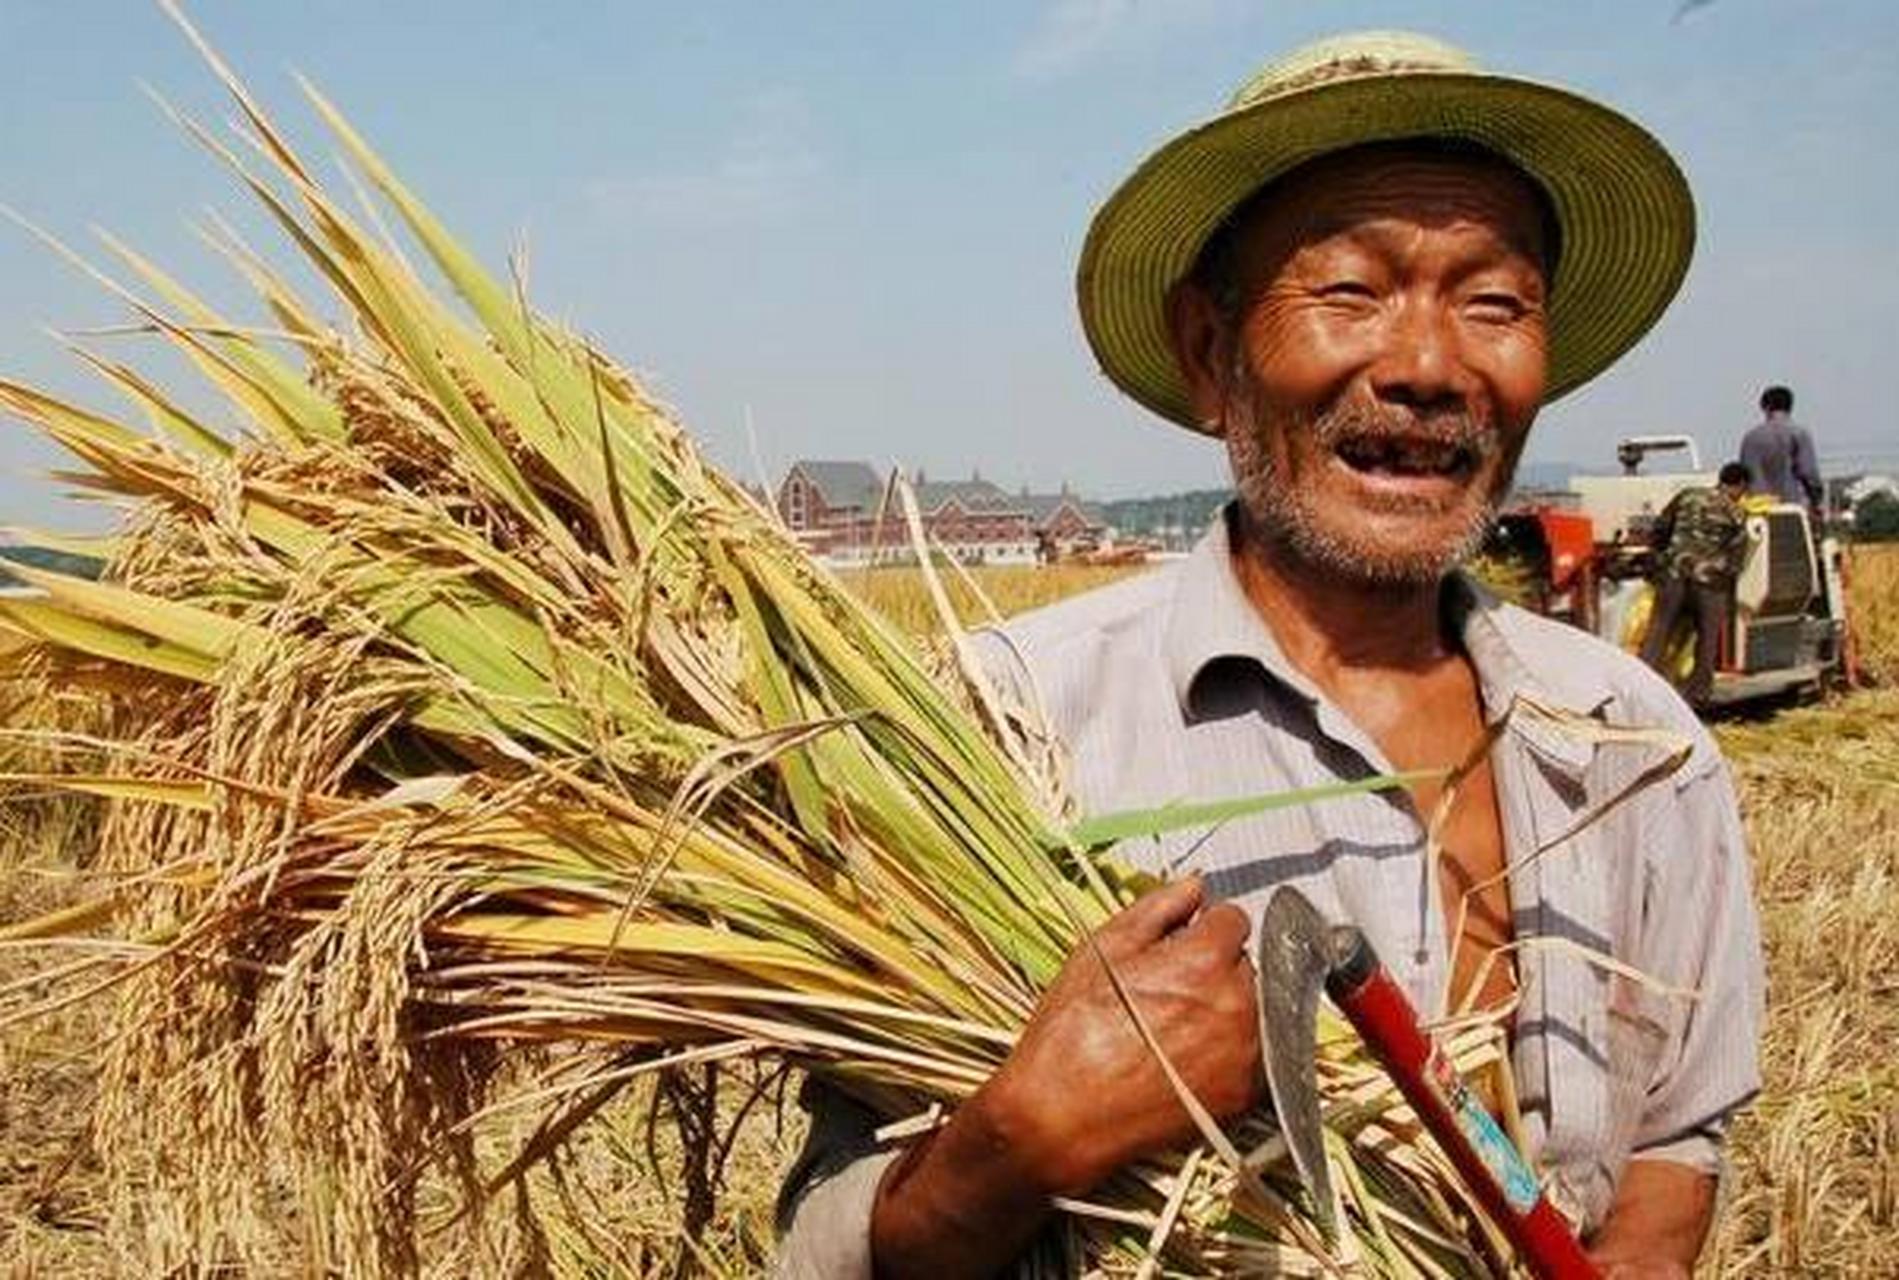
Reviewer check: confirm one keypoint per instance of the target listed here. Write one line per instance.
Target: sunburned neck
(1334, 629)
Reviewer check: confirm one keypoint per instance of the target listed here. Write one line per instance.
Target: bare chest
(1440, 726)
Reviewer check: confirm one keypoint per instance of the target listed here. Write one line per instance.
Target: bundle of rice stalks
(454, 712)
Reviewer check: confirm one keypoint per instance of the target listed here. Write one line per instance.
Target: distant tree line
(1876, 518)
(1148, 517)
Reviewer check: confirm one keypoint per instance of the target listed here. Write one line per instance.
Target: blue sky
(857, 222)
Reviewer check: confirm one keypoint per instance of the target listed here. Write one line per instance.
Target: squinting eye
(1346, 289)
(1498, 306)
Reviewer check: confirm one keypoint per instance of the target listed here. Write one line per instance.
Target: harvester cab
(1587, 555)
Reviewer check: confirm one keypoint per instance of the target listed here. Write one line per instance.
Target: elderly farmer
(1364, 277)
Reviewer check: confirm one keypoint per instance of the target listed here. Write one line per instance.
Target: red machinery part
(1571, 539)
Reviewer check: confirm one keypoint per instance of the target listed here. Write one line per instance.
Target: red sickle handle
(1484, 1156)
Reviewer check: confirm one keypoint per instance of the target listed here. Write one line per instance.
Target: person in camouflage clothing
(1700, 539)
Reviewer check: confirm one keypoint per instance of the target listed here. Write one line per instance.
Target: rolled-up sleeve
(825, 1204)
(1701, 932)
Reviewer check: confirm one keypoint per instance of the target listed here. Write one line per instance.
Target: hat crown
(1623, 211)
(1351, 56)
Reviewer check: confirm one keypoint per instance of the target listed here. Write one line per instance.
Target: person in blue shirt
(1778, 454)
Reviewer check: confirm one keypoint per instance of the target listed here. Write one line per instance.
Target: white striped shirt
(1170, 687)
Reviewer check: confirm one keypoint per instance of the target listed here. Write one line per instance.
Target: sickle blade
(1294, 955)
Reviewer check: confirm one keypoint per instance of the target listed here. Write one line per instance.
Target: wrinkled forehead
(1426, 183)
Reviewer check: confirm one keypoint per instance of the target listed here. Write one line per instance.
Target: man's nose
(1422, 365)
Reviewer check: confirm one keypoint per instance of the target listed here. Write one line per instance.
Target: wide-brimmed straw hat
(1626, 217)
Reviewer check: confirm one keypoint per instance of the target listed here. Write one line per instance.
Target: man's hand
(1643, 1271)
(1081, 1095)
(1655, 1228)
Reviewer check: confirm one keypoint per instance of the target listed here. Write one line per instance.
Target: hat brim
(1626, 214)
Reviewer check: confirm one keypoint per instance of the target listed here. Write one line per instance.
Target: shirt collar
(1210, 619)
(1511, 659)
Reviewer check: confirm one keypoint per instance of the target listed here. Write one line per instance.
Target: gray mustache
(1459, 430)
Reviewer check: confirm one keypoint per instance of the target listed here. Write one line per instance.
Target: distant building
(1065, 523)
(839, 511)
(820, 499)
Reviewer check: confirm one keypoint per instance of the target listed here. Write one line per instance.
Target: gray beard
(1287, 518)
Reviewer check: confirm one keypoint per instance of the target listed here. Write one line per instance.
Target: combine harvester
(1586, 556)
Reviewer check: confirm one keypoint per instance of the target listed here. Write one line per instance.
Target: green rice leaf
(1112, 828)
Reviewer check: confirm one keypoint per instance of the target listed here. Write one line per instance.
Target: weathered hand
(1081, 1095)
(1654, 1230)
(1660, 1269)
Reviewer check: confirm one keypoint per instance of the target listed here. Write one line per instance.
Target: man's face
(1377, 373)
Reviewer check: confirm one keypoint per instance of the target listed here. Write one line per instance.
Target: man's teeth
(1405, 456)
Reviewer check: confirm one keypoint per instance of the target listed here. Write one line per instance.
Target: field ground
(1816, 1186)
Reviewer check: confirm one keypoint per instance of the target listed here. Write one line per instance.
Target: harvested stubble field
(1816, 1187)
(1816, 1191)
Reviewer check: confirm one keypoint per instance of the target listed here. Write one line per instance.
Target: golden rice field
(1875, 581)
(1005, 588)
(1816, 1185)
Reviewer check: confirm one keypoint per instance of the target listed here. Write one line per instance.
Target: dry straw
(453, 712)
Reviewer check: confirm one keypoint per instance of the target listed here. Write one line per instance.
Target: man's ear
(1199, 335)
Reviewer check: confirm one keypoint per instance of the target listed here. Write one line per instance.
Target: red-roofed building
(839, 510)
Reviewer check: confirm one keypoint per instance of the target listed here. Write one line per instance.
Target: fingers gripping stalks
(1182, 964)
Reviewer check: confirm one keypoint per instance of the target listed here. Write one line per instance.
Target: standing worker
(1779, 455)
(1700, 538)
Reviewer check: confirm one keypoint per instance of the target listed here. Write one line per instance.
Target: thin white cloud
(765, 171)
(1069, 33)
(1073, 33)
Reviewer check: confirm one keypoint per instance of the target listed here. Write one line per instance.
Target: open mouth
(1406, 457)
